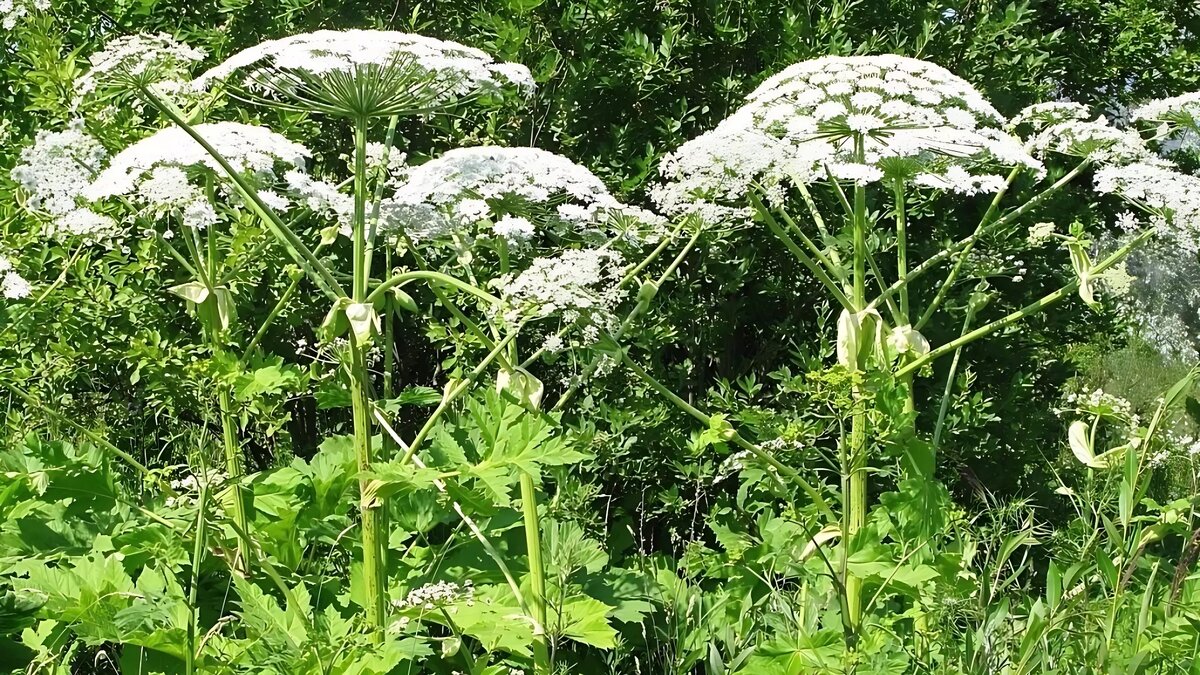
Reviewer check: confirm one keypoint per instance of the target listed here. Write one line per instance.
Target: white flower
(472, 210)
(158, 172)
(1176, 109)
(553, 344)
(470, 184)
(576, 283)
(1042, 115)
(318, 196)
(13, 10)
(440, 594)
(56, 168)
(143, 58)
(85, 224)
(1096, 140)
(391, 72)
(12, 285)
(1173, 197)
(1040, 233)
(902, 114)
(1178, 120)
(957, 179)
(514, 229)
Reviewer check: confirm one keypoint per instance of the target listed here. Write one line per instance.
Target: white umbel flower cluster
(440, 594)
(145, 58)
(55, 169)
(1183, 109)
(53, 173)
(858, 119)
(12, 11)
(1042, 115)
(467, 185)
(1172, 197)
(1067, 128)
(578, 283)
(1177, 119)
(402, 72)
(12, 285)
(160, 172)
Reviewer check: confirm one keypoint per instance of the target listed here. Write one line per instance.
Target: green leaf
(387, 479)
(586, 620)
(18, 610)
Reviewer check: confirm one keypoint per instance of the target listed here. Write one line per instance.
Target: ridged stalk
(370, 512)
(537, 575)
(233, 466)
(855, 515)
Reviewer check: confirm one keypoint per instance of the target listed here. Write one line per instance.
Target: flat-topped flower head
(12, 285)
(1068, 128)
(1171, 196)
(141, 60)
(12, 11)
(367, 73)
(1183, 110)
(860, 119)
(512, 192)
(1177, 119)
(576, 284)
(167, 172)
(55, 169)
(53, 173)
(1039, 116)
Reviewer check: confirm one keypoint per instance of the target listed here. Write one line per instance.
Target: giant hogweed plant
(831, 155)
(476, 223)
(505, 240)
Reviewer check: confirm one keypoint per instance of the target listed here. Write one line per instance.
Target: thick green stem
(370, 511)
(212, 329)
(901, 247)
(194, 586)
(855, 509)
(374, 565)
(233, 466)
(537, 575)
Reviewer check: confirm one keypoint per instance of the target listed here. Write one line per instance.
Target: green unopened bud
(860, 338)
(405, 301)
(293, 272)
(849, 330)
(647, 292)
(335, 322)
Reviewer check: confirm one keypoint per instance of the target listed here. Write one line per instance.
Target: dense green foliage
(665, 549)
